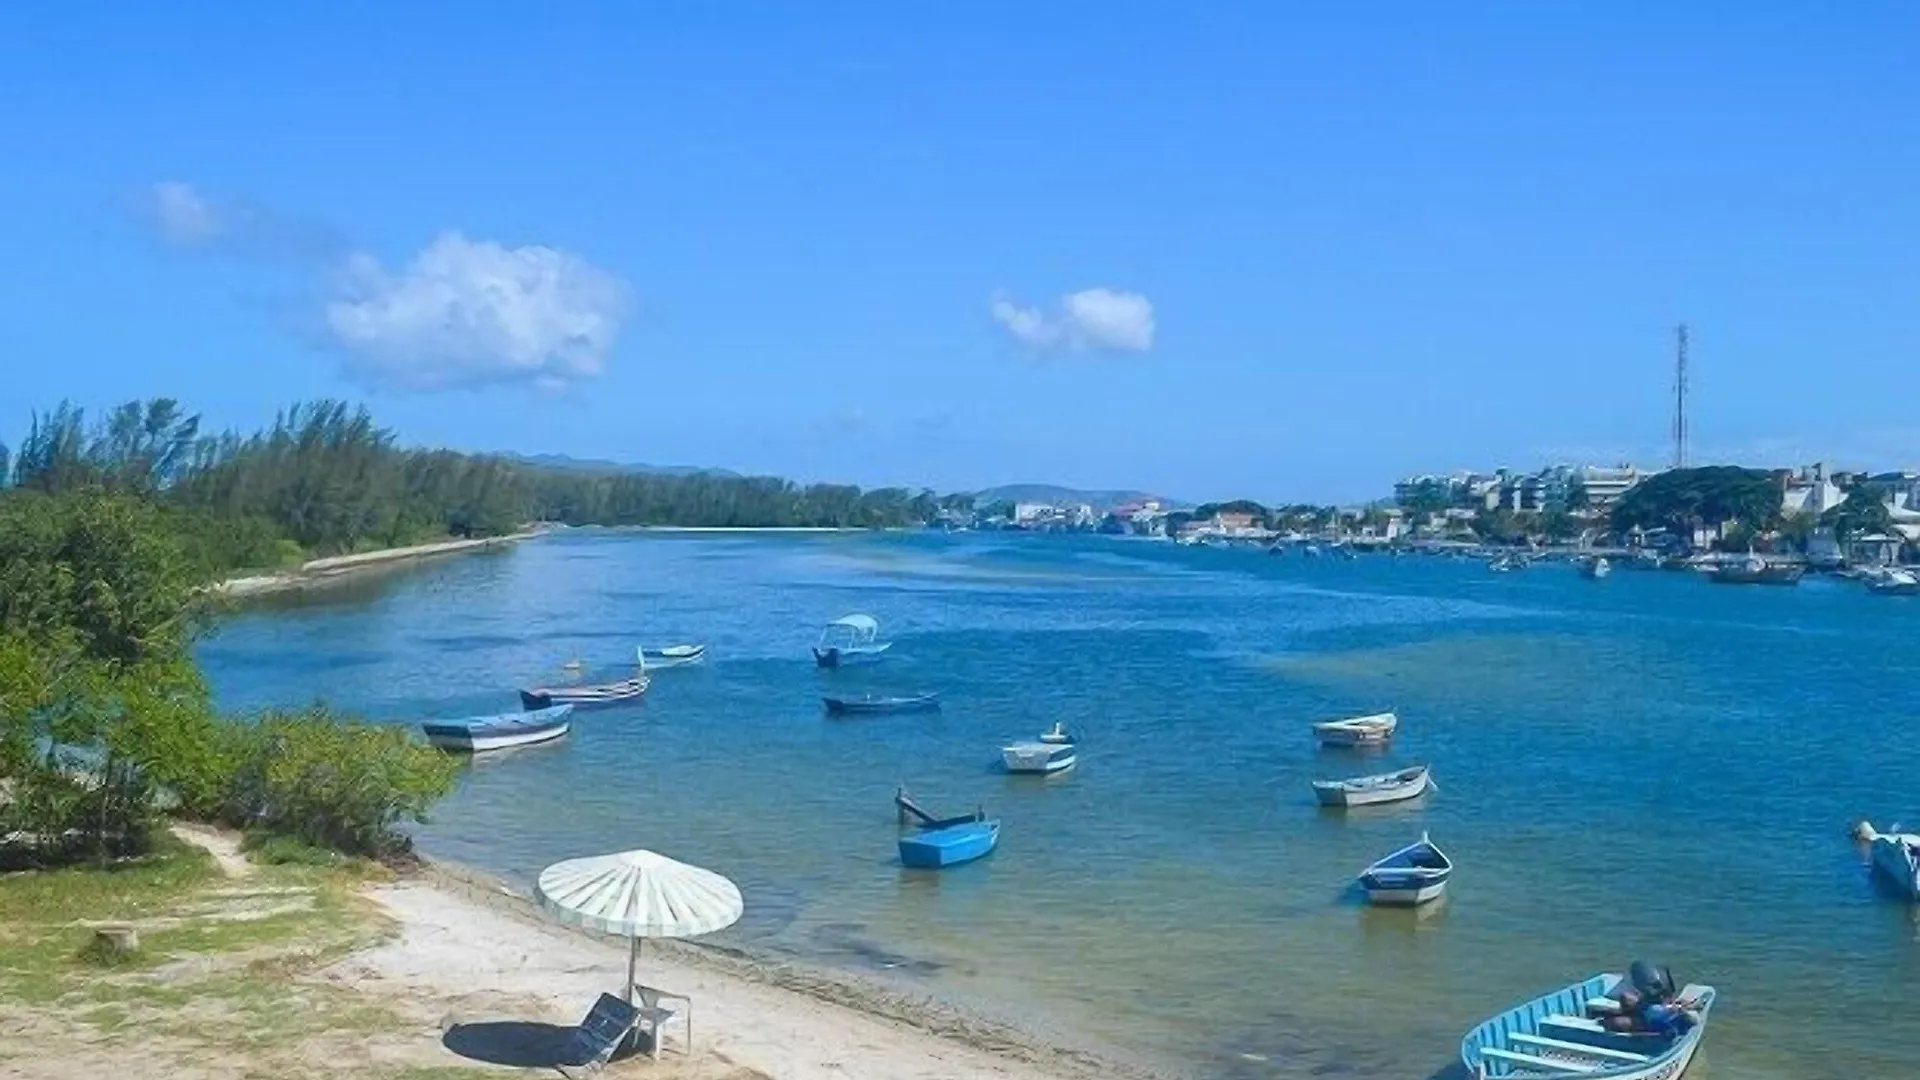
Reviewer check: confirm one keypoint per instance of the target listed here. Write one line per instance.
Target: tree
(1683, 500)
(1863, 512)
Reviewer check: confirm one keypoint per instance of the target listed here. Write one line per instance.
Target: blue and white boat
(600, 694)
(881, 703)
(1562, 1034)
(850, 639)
(1413, 875)
(482, 733)
(944, 842)
(670, 656)
(1896, 856)
(1039, 756)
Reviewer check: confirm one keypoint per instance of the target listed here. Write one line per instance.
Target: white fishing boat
(1374, 790)
(670, 656)
(1373, 730)
(482, 733)
(1054, 751)
(1895, 583)
(1896, 855)
(850, 639)
(1413, 875)
(1595, 568)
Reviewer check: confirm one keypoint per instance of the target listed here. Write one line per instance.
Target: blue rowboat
(498, 732)
(878, 703)
(602, 694)
(964, 840)
(1415, 874)
(1565, 1034)
(1896, 855)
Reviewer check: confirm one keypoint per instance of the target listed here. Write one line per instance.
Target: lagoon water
(1644, 766)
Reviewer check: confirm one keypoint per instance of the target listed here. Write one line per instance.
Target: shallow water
(1648, 765)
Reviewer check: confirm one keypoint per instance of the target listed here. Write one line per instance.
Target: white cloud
(469, 313)
(182, 215)
(1092, 319)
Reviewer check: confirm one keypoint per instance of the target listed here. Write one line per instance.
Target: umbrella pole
(633, 959)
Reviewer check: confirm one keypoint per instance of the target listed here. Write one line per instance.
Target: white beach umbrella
(639, 895)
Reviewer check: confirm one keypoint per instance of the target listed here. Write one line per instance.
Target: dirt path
(223, 846)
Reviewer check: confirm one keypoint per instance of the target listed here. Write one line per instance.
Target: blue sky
(1238, 249)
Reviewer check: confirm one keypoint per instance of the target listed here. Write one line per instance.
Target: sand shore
(317, 573)
(507, 977)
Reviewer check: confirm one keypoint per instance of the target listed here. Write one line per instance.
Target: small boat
(598, 694)
(1595, 568)
(1505, 564)
(1896, 855)
(943, 842)
(1413, 875)
(850, 639)
(1754, 570)
(880, 703)
(1562, 1034)
(1895, 583)
(671, 656)
(1372, 730)
(1374, 790)
(482, 733)
(1054, 751)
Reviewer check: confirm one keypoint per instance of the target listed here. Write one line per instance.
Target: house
(1874, 549)
(1235, 521)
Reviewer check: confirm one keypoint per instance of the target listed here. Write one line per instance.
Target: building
(1809, 490)
(1029, 513)
(1602, 487)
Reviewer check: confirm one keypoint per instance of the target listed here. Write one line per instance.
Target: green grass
(273, 849)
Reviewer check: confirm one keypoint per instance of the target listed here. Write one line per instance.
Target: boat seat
(1573, 1023)
(1564, 1046)
(1606, 1006)
(1531, 1062)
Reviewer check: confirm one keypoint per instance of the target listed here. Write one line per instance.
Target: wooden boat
(1896, 856)
(598, 694)
(1415, 874)
(944, 842)
(670, 656)
(1754, 570)
(1372, 730)
(880, 703)
(1561, 1034)
(481, 733)
(1373, 790)
(850, 639)
(1595, 568)
(1052, 752)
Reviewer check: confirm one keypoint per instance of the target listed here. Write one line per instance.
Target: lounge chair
(599, 1036)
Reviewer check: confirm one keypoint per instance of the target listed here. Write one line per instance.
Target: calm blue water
(1648, 765)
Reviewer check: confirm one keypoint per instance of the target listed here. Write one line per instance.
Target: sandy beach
(316, 573)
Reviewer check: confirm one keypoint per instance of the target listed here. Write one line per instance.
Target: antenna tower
(1680, 397)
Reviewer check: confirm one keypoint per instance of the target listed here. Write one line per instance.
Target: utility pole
(1680, 397)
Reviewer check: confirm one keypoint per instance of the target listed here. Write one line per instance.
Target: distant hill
(598, 466)
(1101, 501)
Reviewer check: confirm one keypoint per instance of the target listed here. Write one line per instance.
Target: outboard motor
(1653, 981)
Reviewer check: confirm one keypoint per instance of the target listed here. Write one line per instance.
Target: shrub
(274, 849)
(331, 782)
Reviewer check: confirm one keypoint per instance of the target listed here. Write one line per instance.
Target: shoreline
(337, 569)
(949, 1035)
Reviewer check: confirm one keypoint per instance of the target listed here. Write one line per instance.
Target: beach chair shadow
(607, 1033)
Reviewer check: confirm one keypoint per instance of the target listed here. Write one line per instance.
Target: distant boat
(943, 842)
(850, 639)
(1895, 583)
(1372, 730)
(880, 703)
(1754, 570)
(1560, 1034)
(481, 733)
(1415, 874)
(1373, 790)
(1054, 751)
(671, 656)
(1595, 568)
(1896, 856)
(1504, 564)
(600, 694)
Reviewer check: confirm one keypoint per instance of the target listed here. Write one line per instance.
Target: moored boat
(1754, 570)
(881, 703)
(1896, 856)
(1595, 568)
(1042, 755)
(850, 639)
(943, 842)
(594, 694)
(670, 656)
(1895, 583)
(1374, 790)
(1588, 1030)
(481, 733)
(1415, 874)
(1374, 730)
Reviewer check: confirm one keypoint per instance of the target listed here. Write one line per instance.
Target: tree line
(325, 479)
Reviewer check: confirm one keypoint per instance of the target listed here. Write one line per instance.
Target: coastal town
(1811, 514)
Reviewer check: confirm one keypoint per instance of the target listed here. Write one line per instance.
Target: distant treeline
(324, 479)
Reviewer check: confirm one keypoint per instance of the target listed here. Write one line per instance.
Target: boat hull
(499, 733)
(584, 696)
(936, 849)
(1556, 1026)
(1039, 757)
(1344, 793)
(1395, 889)
(854, 706)
(1374, 730)
(837, 656)
(673, 657)
(1897, 859)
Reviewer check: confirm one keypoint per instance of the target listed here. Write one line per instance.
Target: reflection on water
(1644, 767)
